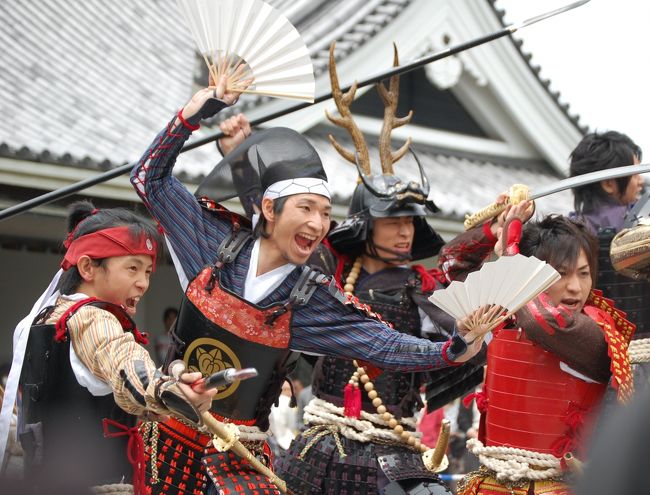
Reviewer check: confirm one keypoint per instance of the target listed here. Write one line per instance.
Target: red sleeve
(466, 252)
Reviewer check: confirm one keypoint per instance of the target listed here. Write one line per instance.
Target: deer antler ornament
(390, 98)
(343, 102)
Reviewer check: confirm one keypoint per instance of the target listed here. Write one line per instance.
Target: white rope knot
(513, 464)
(252, 434)
(639, 351)
(113, 489)
(369, 428)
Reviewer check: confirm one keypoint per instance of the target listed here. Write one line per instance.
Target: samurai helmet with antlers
(383, 195)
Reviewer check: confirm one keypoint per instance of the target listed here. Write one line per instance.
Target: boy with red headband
(86, 377)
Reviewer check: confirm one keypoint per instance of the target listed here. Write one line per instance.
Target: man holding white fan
(548, 365)
(250, 301)
(359, 436)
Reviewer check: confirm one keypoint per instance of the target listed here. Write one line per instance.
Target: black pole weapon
(401, 69)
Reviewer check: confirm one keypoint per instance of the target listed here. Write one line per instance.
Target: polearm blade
(400, 69)
(495, 209)
(546, 15)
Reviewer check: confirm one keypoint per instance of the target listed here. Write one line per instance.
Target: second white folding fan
(251, 41)
(502, 287)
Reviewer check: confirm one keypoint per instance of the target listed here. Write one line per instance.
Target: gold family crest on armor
(211, 356)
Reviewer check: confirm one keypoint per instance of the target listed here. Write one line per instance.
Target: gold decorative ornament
(435, 459)
(210, 356)
(222, 444)
(516, 194)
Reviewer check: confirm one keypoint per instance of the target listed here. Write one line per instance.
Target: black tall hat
(384, 195)
(276, 162)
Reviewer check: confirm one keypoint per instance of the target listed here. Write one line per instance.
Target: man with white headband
(249, 300)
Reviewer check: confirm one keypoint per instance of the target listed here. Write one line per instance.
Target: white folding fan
(500, 288)
(251, 41)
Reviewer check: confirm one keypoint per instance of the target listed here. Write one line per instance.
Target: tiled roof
(94, 79)
(90, 79)
(89, 83)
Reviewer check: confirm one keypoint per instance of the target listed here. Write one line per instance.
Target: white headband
(301, 185)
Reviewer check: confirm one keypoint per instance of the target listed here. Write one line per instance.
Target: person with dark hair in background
(249, 298)
(85, 376)
(606, 208)
(169, 317)
(548, 366)
(603, 206)
(162, 341)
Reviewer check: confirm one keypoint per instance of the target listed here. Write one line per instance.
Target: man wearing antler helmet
(359, 437)
(250, 300)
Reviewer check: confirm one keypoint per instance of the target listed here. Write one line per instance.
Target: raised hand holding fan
(495, 292)
(248, 40)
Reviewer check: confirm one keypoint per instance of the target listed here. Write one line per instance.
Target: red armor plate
(529, 396)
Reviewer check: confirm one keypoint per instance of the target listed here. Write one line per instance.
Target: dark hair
(169, 311)
(599, 152)
(558, 241)
(84, 219)
(260, 228)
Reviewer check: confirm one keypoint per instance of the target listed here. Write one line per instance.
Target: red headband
(116, 241)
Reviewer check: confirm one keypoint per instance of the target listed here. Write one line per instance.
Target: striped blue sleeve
(327, 326)
(193, 233)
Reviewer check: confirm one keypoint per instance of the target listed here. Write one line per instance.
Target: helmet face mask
(353, 236)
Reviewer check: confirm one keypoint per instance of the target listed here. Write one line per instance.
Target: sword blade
(590, 178)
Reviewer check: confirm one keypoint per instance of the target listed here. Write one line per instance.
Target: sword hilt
(516, 194)
(435, 459)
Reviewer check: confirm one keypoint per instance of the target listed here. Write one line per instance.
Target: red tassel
(352, 401)
(134, 451)
(481, 401)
